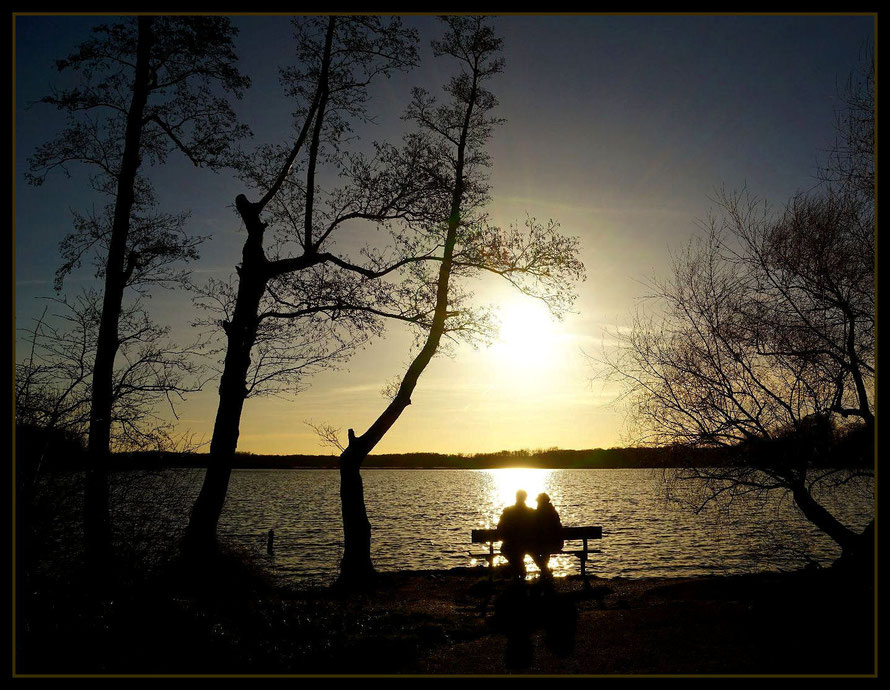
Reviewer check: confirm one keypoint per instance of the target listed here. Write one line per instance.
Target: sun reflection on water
(506, 482)
(502, 487)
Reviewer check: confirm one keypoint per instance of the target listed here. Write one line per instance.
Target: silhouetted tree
(146, 88)
(764, 344)
(297, 305)
(53, 381)
(536, 258)
(53, 395)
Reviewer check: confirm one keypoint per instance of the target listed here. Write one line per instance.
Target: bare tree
(461, 243)
(709, 371)
(850, 167)
(53, 383)
(299, 306)
(762, 342)
(813, 271)
(148, 86)
(53, 393)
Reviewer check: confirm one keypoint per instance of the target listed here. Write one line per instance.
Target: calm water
(421, 519)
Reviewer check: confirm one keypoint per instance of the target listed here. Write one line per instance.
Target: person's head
(543, 499)
(521, 495)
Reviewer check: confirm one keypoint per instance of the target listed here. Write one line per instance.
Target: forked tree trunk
(356, 566)
(241, 332)
(97, 527)
(254, 274)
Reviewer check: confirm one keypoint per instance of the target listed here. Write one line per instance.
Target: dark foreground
(230, 620)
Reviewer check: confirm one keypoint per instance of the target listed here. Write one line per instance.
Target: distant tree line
(66, 453)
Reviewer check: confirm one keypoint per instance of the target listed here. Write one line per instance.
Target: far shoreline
(549, 459)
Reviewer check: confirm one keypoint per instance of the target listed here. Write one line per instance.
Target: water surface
(421, 519)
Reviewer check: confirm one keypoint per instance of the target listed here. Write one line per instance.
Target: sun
(528, 334)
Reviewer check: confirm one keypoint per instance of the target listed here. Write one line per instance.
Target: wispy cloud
(602, 209)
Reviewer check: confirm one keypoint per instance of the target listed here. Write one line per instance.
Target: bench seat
(577, 554)
(583, 533)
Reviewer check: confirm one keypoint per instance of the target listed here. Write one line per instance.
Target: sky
(621, 128)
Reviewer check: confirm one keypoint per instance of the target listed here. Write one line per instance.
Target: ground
(229, 619)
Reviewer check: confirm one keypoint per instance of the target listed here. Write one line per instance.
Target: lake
(421, 519)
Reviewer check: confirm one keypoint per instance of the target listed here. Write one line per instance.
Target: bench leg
(584, 562)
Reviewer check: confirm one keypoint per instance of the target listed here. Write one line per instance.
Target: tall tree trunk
(254, 274)
(356, 568)
(97, 528)
(859, 382)
(240, 337)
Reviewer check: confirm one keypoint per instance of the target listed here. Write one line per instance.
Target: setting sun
(528, 334)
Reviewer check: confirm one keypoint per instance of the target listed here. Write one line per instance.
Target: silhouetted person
(516, 528)
(546, 533)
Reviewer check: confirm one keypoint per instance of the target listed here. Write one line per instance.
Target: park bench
(490, 536)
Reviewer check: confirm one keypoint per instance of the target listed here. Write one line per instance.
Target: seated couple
(524, 530)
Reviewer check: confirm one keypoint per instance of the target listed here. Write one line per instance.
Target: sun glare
(528, 334)
(509, 480)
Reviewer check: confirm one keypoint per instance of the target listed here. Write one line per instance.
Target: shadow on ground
(228, 618)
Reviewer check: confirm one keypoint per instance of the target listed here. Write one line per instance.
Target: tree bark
(254, 274)
(356, 565)
(856, 371)
(819, 516)
(356, 568)
(97, 527)
(240, 337)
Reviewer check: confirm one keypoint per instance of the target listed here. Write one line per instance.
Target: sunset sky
(619, 127)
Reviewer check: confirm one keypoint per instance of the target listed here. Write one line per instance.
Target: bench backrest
(481, 536)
